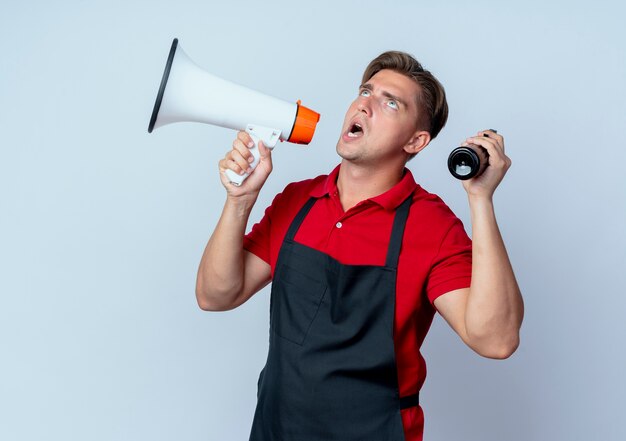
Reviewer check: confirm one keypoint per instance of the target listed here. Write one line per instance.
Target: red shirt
(436, 257)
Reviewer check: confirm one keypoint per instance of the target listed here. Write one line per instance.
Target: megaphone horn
(189, 93)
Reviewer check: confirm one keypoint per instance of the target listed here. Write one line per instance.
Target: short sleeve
(452, 266)
(257, 241)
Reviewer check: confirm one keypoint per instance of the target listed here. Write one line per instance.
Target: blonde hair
(431, 101)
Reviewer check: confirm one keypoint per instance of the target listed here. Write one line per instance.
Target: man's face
(382, 120)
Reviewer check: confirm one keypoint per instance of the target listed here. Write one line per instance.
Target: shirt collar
(389, 200)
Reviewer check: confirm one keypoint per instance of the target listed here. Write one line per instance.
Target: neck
(357, 183)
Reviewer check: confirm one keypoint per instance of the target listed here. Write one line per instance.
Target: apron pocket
(296, 299)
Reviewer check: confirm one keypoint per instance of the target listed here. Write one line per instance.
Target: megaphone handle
(269, 137)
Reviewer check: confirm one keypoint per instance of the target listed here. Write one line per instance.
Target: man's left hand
(485, 184)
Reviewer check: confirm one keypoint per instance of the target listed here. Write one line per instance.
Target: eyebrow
(369, 87)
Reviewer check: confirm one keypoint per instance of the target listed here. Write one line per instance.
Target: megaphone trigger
(269, 137)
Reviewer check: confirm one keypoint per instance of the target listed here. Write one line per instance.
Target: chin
(340, 149)
(354, 157)
(344, 153)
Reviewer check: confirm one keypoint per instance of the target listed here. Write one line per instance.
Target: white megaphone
(188, 93)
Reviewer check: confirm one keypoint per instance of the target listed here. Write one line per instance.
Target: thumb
(264, 152)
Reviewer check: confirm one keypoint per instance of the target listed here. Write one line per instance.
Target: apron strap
(395, 242)
(410, 401)
(295, 225)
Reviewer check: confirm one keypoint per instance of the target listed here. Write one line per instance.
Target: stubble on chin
(349, 152)
(345, 153)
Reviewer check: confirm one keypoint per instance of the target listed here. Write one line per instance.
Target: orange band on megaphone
(304, 125)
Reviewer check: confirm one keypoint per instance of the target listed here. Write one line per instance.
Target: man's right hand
(238, 160)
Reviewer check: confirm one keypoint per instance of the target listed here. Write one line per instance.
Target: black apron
(331, 371)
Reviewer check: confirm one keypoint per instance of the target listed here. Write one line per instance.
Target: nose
(363, 106)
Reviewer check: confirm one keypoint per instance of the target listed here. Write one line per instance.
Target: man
(359, 260)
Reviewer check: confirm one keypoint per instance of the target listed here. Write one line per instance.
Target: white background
(102, 225)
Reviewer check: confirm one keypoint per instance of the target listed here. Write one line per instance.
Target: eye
(393, 104)
(364, 92)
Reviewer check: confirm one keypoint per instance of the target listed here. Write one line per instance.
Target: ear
(417, 142)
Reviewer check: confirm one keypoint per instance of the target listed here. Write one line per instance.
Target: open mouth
(355, 130)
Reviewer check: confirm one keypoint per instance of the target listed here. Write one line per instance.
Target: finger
(489, 144)
(243, 150)
(237, 159)
(229, 164)
(496, 155)
(489, 131)
(245, 138)
(492, 134)
(480, 140)
(490, 137)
